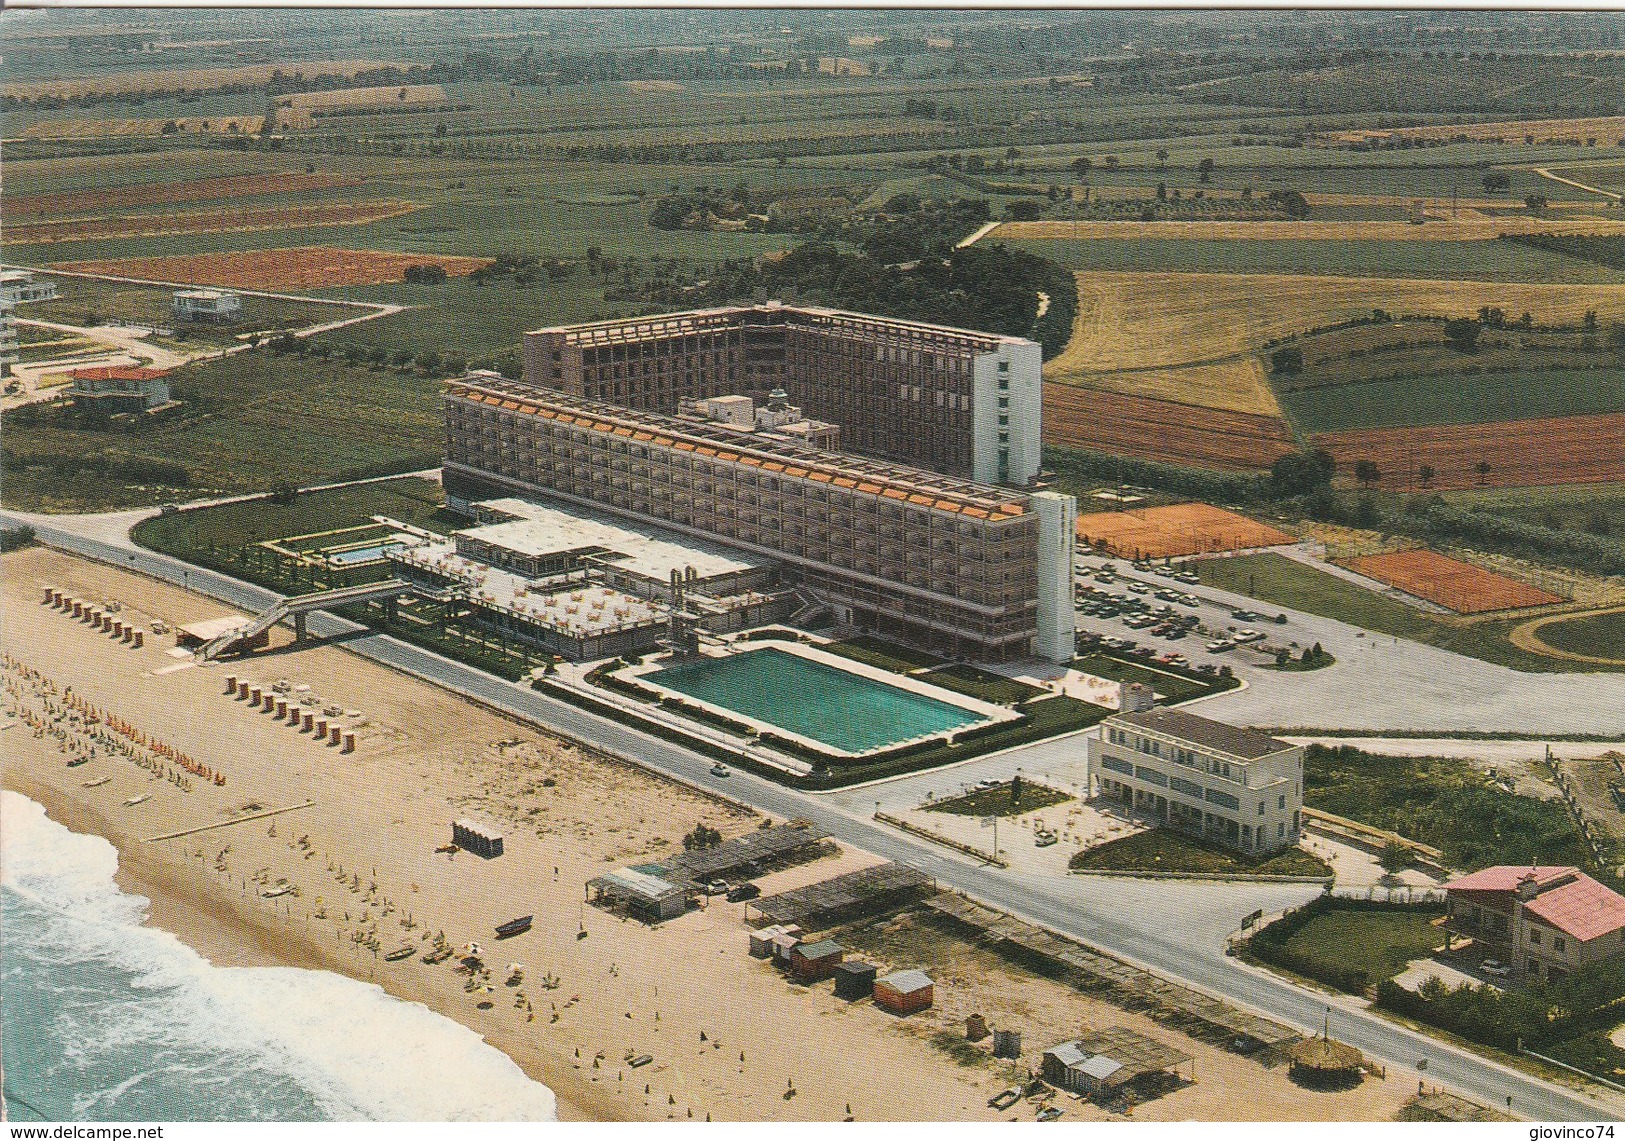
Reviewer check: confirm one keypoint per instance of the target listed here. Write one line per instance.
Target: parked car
(718, 887)
(1244, 615)
(1188, 577)
(1221, 646)
(721, 770)
(743, 892)
(1246, 636)
(1189, 600)
(1138, 588)
(1495, 967)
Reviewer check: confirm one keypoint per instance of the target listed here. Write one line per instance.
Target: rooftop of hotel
(545, 529)
(877, 477)
(628, 330)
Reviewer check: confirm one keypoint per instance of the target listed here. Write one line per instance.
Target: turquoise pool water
(361, 554)
(840, 709)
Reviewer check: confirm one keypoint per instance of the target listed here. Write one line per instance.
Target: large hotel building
(640, 419)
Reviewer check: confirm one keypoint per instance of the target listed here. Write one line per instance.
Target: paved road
(1381, 682)
(1167, 927)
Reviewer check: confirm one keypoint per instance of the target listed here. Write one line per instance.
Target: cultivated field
(168, 193)
(1161, 429)
(299, 112)
(1195, 337)
(1451, 583)
(1607, 130)
(1473, 226)
(199, 79)
(220, 221)
(70, 129)
(1179, 529)
(302, 267)
(1521, 453)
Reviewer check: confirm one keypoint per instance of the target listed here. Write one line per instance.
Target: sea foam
(355, 1051)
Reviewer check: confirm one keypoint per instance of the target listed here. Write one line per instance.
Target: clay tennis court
(1182, 529)
(299, 267)
(1459, 586)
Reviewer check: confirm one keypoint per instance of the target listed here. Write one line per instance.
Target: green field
(1285, 582)
(1000, 801)
(1599, 636)
(1455, 399)
(1467, 261)
(250, 422)
(83, 300)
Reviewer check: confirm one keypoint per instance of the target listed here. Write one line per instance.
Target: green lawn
(1379, 943)
(1172, 686)
(884, 655)
(1599, 636)
(992, 687)
(1164, 850)
(999, 802)
(1488, 260)
(415, 501)
(1454, 398)
(1285, 582)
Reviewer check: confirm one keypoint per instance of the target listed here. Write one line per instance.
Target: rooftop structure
(930, 558)
(1105, 1060)
(118, 390)
(856, 893)
(952, 400)
(1548, 921)
(1235, 786)
(217, 305)
(644, 895)
(19, 287)
(753, 851)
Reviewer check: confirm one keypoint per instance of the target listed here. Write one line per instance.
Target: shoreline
(204, 917)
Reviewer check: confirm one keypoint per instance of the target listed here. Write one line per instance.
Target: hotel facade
(952, 401)
(965, 568)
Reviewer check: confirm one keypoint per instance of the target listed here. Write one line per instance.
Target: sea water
(105, 1019)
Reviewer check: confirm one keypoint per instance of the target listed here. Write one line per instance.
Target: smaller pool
(361, 554)
(844, 710)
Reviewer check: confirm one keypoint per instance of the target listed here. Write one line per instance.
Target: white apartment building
(216, 305)
(1234, 786)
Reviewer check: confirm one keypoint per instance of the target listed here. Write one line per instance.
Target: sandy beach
(340, 883)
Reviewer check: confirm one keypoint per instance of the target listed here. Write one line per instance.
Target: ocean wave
(360, 1053)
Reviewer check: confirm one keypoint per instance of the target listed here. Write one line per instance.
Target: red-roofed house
(116, 390)
(1544, 921)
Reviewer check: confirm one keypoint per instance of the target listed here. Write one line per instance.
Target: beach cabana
(810, 962)
(905, 992)
(854, 980)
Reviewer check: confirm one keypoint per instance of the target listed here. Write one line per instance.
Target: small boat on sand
(135, 800)
(277, 892)
(439, 956)
(97, 783)
(400, 953)
(77, 761)
(514, 927)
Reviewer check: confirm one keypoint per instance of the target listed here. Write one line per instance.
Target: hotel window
(1534, 935)
(1559, 945)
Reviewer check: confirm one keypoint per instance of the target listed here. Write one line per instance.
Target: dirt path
(1544, 173)
(1527, 637)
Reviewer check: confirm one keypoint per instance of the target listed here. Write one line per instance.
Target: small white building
(217, 305)
(1235, 786)
(18, 287)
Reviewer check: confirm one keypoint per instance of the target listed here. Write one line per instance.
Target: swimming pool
(843, 710)
(361, 554)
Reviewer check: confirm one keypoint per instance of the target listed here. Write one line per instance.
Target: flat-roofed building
(951, 400)
(1236, 786)
(20, 286)
(216, 305)
(932, 559)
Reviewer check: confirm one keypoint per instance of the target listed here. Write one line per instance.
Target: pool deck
(986, 712)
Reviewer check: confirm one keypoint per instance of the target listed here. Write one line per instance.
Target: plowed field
(1476, 228)
(1161, 429)
(1460, 586)
(192, 190)
(1180, 529)
(302, 267)
(1521, 453)
(206, 222)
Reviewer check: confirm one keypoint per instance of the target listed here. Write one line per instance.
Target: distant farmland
(1161, 429)
(220, 221)
(1520, 453)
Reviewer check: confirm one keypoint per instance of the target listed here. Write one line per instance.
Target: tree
(1425, 473)
(1024, 209)
(1496, 182)
(429, 274)
(1367, 472)
(1162, 157)
(1482, 467)
(1286, 361)
(1462, 333)
(1299, 473)
(1394, 857)
(1205, 169)
(1082, 166)
(1162, 192)
(1535, 201)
